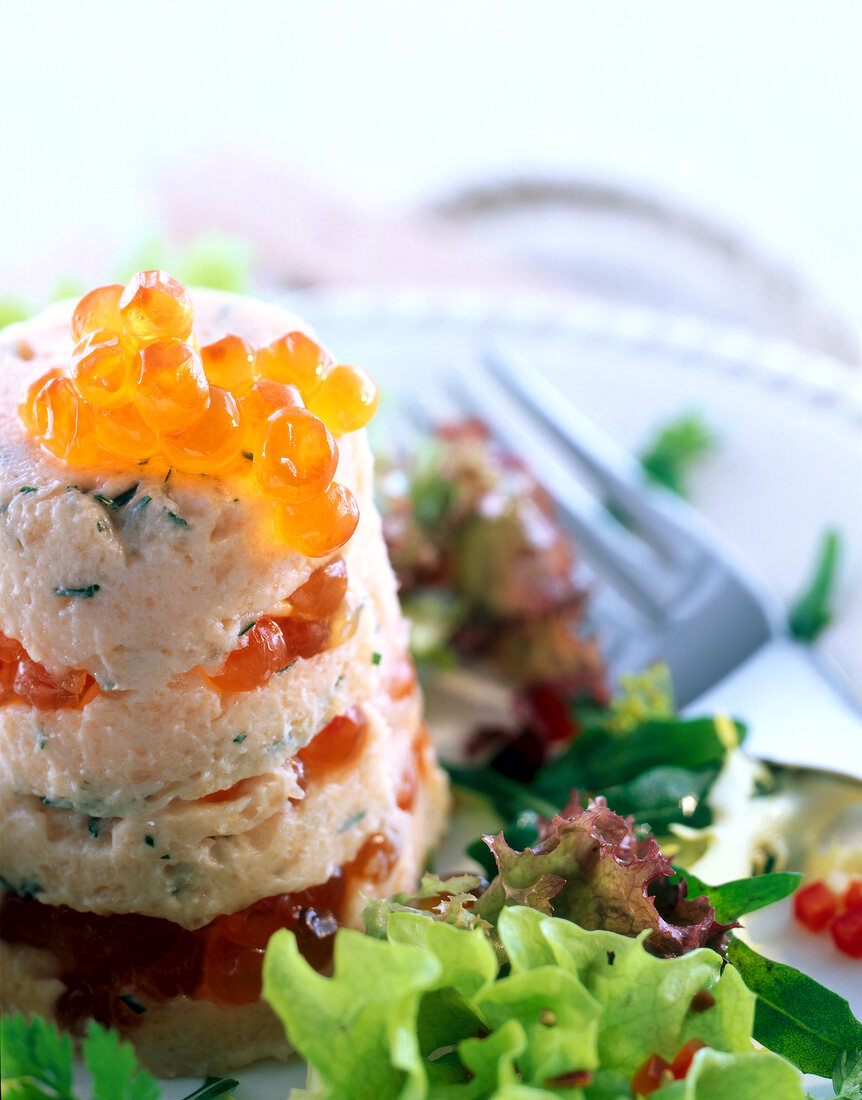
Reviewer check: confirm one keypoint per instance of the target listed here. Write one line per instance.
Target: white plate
(788, 464)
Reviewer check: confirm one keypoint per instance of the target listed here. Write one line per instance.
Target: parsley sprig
(38, 1064)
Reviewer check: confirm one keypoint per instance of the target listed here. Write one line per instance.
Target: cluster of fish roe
(139, 387)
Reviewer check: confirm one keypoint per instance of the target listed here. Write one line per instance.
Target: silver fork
(671, 589)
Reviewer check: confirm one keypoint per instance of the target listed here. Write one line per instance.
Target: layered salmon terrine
(210, 727)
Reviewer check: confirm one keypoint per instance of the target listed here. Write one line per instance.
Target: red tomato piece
(681, 1064)
(231, 972)
(261, 652)
(815, 905)
(337, 745)
(853, 894)
(846, 931)
(35, 685)
(650, 1077)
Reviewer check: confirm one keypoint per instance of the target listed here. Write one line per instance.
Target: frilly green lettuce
(428, 1013)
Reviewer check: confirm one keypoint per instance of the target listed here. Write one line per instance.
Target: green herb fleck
(141, 505)
(376, 658)
(286, 667)
(134, 1004)
(165, 856)
(149, 841)
(94, 825)
(42, 742)
(26, 889)
(100, 526)
(354, 819)
(675, 448)
(814, 609)
(212, 1088)
(85, 593)
(113, 504)
(248, 455)
(178, 520)
(246, 629)
(28, 489)
(167, 475)
(240, 737)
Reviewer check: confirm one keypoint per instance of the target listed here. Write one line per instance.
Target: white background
(750, 110)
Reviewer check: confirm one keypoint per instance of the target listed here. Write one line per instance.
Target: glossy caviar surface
(138, 387)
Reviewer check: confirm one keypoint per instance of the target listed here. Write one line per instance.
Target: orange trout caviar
(30, 410)
(171, 391)
(345, 400)
(124, 434)
(100, 309)
(321, 525)
(156, 307)
(213, 442)
(230, 363)
(263, 399)
(296, 359)
(137, 388)
(298, 458)
(102, 369)
(64, 421)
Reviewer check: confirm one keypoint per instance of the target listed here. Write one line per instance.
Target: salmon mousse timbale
(210, 724)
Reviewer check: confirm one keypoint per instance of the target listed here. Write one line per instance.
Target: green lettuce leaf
(358, 1028)
(847, 1075)
(426, 1012)
(715, 1076)
(647, 1001)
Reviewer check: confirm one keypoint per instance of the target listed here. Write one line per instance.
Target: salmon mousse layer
(210, 726)
(275, 833)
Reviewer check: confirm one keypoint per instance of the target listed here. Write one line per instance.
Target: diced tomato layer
(26, 680)
(337, 745)
(259, 653)
(846, 931)
(104, 959)
(815, 905)
(322, 593)
(272, 643)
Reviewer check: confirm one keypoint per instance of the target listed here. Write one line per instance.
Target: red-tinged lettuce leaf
(592, 869)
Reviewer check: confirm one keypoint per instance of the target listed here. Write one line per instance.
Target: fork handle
(797, 710)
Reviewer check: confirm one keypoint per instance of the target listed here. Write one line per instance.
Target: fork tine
(627, 562)
(657, 516)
